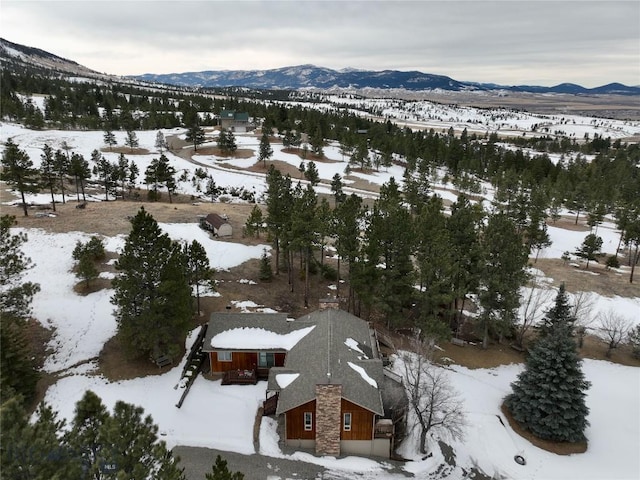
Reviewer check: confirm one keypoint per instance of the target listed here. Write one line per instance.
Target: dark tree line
(405, 265)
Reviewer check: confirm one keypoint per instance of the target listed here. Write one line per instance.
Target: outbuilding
(220, 226)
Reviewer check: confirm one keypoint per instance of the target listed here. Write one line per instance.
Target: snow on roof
(285, 379)
(353, 345)
(363, 374)
(246, 338)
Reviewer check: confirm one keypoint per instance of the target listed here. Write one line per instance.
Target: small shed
(220, 226)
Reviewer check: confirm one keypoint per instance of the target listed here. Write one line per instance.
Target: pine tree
(220, 471)
(336, 188)
(84, 437)
(18, 171)
(33, 450)
(132, 140)
(347, 218)
(151, 294)
(435, 268)
(161, 143)
(15, 294)
(266, 273)
(279, 205)
(254, 223)
(265, 149)
(503, 273)
(589, 248)
(47, 172)
(311, 174)
(199, 271)
(110, 139)
(548, 397)
(18, 370)
(79, 168)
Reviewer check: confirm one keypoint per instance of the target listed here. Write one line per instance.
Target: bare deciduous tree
(435, 404)
(614, 328)
(532, 308)
(582, 309)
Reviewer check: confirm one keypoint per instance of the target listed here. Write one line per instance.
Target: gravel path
(198, 461)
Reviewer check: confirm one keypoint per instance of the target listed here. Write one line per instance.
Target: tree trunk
(338, 281)
(53, 200)
(306, 281)
(485, 336)
(26, 213)
(423, 440)
(633, 263)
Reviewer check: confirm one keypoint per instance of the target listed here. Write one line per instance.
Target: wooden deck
(240, 377)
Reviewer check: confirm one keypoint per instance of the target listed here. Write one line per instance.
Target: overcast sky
(507, 42)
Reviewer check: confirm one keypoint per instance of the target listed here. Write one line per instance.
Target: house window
(308, 421)
(346, 425)
(266, 359)
(224, 356)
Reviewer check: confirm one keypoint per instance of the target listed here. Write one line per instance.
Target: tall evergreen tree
(79, 168)
(503, 273)
(131, 140)
(161, 143)
(110, 139)
(255, 222)
(15, 294)
(199, 271)
(279, 204)
(548, 397)
(347, 217)
(47, 172)
(266, 151)
(435, 268)
(85, 437)
(151, 293)
(104, 170)
(18, 171)
(311, 174)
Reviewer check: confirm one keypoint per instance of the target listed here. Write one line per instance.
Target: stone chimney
(329, 302)
(328, 419)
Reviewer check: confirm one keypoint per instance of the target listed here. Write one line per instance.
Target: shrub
(613, 262)
(328, 272)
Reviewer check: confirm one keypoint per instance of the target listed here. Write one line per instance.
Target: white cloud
(544, 42)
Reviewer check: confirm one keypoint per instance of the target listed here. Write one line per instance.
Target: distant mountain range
(293, 78)
(311, 76)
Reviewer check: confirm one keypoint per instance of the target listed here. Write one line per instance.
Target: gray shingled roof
(322, 356)
(273, 322)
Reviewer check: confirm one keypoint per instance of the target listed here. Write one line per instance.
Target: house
(234, 121)
(239, 342)
(220, 226)
(326, 381)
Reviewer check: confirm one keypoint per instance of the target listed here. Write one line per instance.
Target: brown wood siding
(279, 359)
(295, 422)
(361, 422)
(239, 360)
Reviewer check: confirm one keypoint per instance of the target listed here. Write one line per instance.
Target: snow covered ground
(222, 417)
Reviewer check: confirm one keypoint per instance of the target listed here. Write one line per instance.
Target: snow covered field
(222, 417)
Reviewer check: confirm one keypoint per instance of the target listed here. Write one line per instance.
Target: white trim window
(346, 422)
(308, 421)
(266, 359)
(225, 356)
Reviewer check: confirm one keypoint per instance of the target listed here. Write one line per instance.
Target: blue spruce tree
(548, 397)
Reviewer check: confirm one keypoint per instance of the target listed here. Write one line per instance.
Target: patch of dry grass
(598, 279)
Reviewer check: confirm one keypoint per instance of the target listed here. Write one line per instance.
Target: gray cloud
(544, 42)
